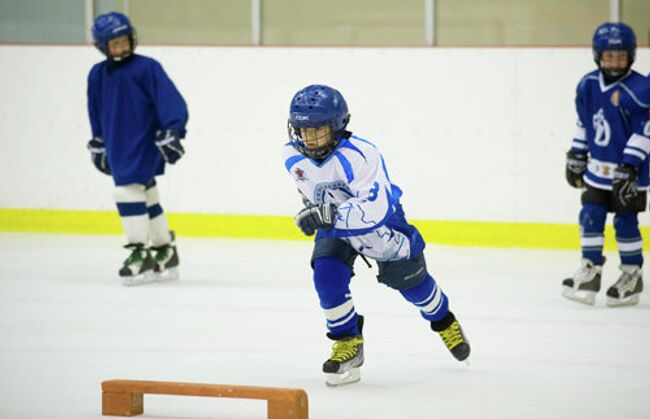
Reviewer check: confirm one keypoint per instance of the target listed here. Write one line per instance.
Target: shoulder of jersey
(587, 78)
(638, 87)
(97, 67)
(359, 146)
(289, 150)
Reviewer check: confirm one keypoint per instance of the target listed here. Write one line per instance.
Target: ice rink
(245, 312)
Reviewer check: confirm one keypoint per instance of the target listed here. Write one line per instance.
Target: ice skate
(585, 283)
(626, 291)
(453, 337)
(138, 267)
(166, 260)
(342, 367)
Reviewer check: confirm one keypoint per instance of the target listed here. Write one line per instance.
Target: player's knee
(626, 222)
(403, 274)
(133, 192)
(332, 270)
(333, 248)
(130, 200)
(152, 195)
(593, 216)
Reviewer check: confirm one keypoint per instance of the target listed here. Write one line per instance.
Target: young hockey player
(137, 118)
(609, 159)
(354, 209)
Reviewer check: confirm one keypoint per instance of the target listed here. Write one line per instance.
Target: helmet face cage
(110, 26)
(317, 106)
(614, 37)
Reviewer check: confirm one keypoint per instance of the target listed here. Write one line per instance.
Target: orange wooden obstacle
(125, 397)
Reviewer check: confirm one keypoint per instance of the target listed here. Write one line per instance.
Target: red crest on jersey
(300, 174)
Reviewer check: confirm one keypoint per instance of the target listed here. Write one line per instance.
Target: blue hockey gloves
(624, 188)
(169, 144)
(576, 164)
(98, 155)
(314, 217)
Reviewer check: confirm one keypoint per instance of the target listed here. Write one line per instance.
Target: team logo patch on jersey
(300, 174)
(615, 98)
(602, 130)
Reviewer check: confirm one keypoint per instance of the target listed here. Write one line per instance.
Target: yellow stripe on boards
(456, 233)
(60, 221)
(501, 234)
(238, 226)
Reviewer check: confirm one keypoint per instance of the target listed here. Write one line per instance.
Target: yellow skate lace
(452, 336)
(344, 350)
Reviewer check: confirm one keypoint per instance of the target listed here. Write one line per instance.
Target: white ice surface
(245, 312)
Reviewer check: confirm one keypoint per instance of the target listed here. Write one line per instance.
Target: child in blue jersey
(137, 118)
(609, 160)
(354, 209)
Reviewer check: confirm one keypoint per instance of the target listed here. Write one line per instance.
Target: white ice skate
(626, 291)
(585, 283)
(167, 261)
(138, 268)
(342, 367)
(351, 376)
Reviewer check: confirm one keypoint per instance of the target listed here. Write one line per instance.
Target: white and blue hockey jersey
(613, 127)
(355, 179)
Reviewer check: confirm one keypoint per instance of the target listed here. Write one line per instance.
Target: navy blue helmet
(111, 25)
(614, 36)
(316, 106)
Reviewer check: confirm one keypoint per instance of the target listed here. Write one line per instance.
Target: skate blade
(351, 376)
(142, 279)
(171, 274)
(629, 301)
(581, 296)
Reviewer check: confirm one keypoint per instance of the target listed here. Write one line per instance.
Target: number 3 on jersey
(373, 192)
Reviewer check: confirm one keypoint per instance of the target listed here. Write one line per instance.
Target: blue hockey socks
(429, 298)
(332, 283)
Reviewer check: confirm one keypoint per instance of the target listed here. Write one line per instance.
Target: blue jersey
(355, 179)
(127, 106)
(613, 127)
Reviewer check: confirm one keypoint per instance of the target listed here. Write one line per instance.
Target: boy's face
(119, 47)
(614, 62)
(318, 137)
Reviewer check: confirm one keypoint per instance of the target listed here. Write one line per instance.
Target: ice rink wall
(474, 136)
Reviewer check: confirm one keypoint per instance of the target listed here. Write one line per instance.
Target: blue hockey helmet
(614, 36)
(317, 106)
(109, 26)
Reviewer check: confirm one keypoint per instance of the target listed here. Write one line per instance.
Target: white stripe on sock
(335, 313)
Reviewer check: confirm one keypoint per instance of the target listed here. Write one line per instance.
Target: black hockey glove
(314, 217)
(98, 155)
(576, 164)
(169, 144)
(624, 188)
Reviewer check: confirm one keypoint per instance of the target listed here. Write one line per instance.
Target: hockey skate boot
(342, 367)
(139, 266)
(452, 335)
(166, 257)
(626, 291)
(585, 283)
